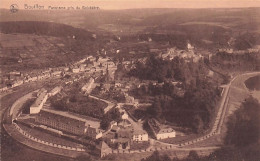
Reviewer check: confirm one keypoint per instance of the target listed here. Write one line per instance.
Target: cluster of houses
(21, 79)
(187, 55)
(88, 64)
(232, 51)
(124, 133)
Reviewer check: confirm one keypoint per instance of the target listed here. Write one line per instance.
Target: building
(159, 131)
(105, 149)
(140, 135)
(112, 123)
(76, 70)
(115, 128)
(54, 91)
(87, 87)
(124, 123)
(40, 100)
(165, 133)
(17, 83)
(190, 47)
(3, 89)
(56, 73)
(70, 123)
(93, 133)
(129, 99)
(124, 116)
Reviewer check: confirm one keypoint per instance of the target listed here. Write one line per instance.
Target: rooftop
(165, 130)
(95, 123)
(39, 99)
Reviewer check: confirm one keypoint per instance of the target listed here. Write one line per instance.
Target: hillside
(44, 28)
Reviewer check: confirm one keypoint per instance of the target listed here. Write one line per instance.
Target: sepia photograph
(130, 80)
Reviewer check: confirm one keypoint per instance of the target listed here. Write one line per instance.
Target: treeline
(243, 125)
(253, 83)
(246, 41)
(161, 70)
(44, 28)
(241, 141)
(242, 62)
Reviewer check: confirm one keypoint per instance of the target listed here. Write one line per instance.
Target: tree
(193, 156)
(104, 123)
(244, 128)
(156, 109)
(154, 157)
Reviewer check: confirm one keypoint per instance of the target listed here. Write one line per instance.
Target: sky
(130, 4)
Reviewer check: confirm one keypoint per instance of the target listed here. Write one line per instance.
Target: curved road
(218, 124)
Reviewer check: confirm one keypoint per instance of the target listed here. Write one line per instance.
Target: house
(103, 60)
(108, 64)
(140, 135)
(15, 73)
(40, 100)
(159, 131)
(17, 83)
(82, 60)
(129, 99)
(154, 50)
(115, 128)
(75, 70)
(125, 123)
(3, 89)
(118, 84)
(124, 116)
(87, 87)
(105, 149)
(66, 69)
(189, 46)
(91, 58)
(165, 133)
(112, 123)
(82, 67)
(56, 73)
(32, 78)
(70, 122)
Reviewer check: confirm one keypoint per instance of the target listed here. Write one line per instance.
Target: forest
(236, 62)
(195, 109)
(239, 144)
(160, 70)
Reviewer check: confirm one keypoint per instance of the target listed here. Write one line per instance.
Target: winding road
(235, 85)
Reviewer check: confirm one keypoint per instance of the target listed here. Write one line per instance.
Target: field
(26, 52)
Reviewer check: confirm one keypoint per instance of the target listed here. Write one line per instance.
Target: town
(136, 90)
